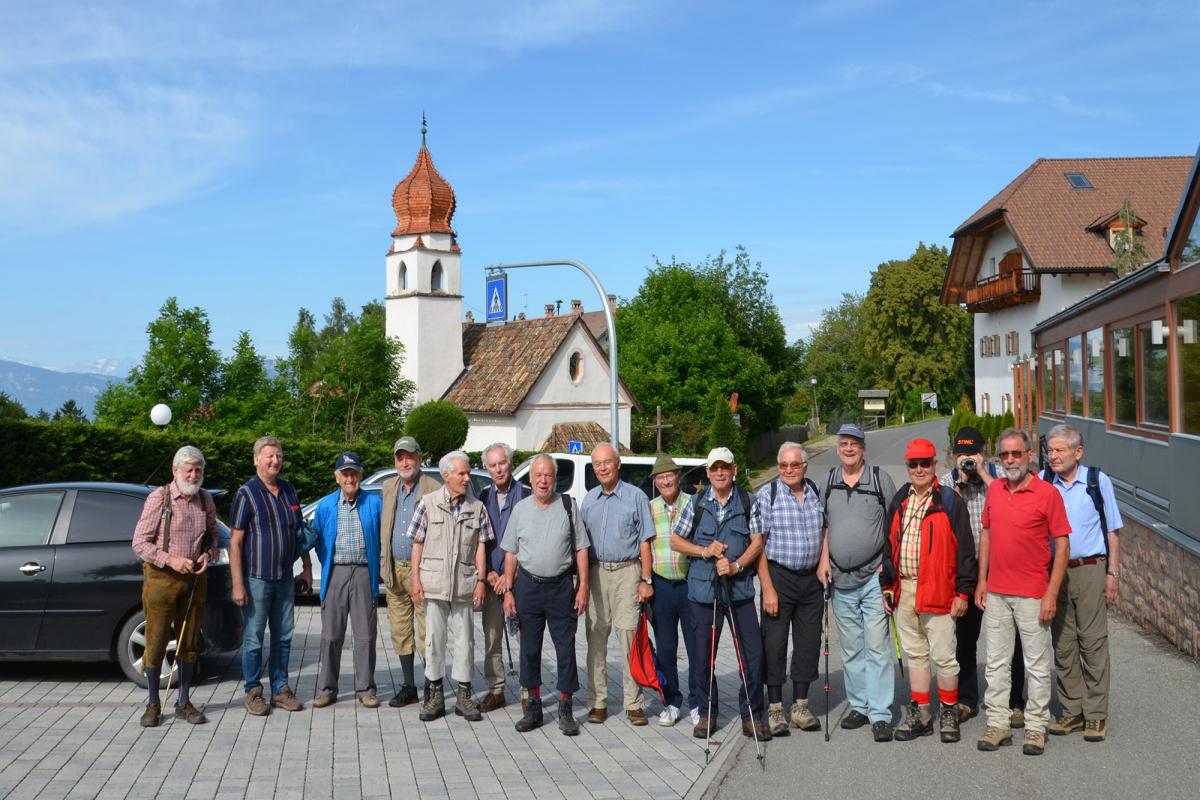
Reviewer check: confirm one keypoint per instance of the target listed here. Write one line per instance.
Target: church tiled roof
(589, 434)
(423, 201)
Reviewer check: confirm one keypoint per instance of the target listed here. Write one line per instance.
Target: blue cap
(850, 429)
(348, 460)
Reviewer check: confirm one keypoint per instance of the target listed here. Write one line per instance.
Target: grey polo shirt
(855, 520)
(542, 539)
(617, 522)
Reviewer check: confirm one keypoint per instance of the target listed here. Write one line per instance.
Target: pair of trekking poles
(737, 649)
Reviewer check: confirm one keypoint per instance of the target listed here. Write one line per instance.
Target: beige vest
(448, 554)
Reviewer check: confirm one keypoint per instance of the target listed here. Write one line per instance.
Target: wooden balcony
(1003, 291)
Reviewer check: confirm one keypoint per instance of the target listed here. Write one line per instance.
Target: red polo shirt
(1020, 526)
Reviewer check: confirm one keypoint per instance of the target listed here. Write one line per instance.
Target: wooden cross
(658, 427)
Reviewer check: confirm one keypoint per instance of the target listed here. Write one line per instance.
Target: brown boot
(255, 704)
(190, 714)
(151, 716)
(493, 701)
(756, 729)
(287, 700)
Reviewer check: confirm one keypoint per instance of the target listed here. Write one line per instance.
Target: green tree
(440, 427)
(1129, 246)
(692, 330)
(69, 412)
(10, 408)
(835, 356)
(912, 341)
(248, 397)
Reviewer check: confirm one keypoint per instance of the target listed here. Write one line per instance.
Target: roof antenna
(424, 129)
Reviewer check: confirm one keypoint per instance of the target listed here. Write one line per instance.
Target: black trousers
(541, 604)
(966, 629)
(749, 636)
(801, 603)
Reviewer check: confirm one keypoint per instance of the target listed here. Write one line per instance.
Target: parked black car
(70, 585)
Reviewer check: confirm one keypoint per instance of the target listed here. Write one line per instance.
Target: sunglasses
(792, 464)
(922, 463)
(1007, 454)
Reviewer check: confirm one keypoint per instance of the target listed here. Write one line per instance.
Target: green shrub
(439, 426)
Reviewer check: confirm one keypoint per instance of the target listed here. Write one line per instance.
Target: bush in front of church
(439, 426)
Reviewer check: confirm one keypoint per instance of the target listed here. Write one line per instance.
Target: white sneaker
(669, 716)
(695, 717)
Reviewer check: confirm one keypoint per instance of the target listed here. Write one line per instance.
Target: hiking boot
(403, 697)
(1017, 718)
(965, 712)
(1094, 730)
(493, 701)
(597, 716)
(287, 700)
(324, 699)
(949, 725)
(917, 722)
(705, 728)
(882, 731)
(755, 729)
(152, 716)
(994, 739)
(435, 702)
(803, 718)
(369, 700)
(255, 704)
(189, 714)
(777, 722)
(566, 719)
(466, 706)
(533, 716)
(694, 716)
(854, 720)
(1067, 723)
(1035, 743)
(668, 716)
(637, 717)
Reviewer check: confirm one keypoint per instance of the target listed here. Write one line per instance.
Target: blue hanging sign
(496, 298)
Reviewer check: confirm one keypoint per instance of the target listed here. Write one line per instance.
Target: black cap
(968, 441)
(348, 460)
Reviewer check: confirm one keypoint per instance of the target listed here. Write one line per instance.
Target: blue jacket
(517, 491)
(734, 532)
(370, 509)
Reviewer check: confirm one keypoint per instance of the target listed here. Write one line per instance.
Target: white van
(576, 476)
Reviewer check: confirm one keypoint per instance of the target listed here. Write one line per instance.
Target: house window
(1012, 343)
(403, 277)
(1060, 381)
(1187, 314)
(575, 367)
(1093, 348)
(1124, 377)
(986, 403)
(1047, 380)
(1074, 404)
(1156, 406)
(1006, 403)
(995, 344)
(435, 277)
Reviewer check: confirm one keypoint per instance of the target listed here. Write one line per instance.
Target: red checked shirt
(1020, 527)
(193, 527)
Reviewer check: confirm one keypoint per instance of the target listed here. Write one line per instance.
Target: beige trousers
(612, 604)
(401, 612)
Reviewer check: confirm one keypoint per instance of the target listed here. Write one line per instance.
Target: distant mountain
(37, 388)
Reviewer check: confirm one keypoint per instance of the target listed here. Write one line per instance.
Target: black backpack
(808, 484)
(1093, 490)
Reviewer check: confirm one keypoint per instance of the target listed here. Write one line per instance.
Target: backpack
(1093, 490)
(742, 493)
(808, 484)
(877, 492)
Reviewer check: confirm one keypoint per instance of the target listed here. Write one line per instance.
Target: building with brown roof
(520, 382)
(1046, 241)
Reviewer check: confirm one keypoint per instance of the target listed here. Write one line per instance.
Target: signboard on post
(930, 399)
(496, 298)
(575, 447)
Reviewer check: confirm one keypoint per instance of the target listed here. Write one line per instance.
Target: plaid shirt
(973, 494)
(420, 520)
(667, 563)
(683, 525)
(793, 527)
(193, 527)
(910, 536)
(350, 547)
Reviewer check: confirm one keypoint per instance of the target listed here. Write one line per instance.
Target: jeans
(867, 650)
(268, 602)
(672, 611)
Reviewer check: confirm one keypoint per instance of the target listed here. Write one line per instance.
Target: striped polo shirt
(270, 523)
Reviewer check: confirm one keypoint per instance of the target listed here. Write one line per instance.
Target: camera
(969, 465)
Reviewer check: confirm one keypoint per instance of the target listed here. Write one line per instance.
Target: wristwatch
(739, 566)
(1116, 573)
(648, 581)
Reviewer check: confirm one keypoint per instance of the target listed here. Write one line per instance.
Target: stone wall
(1160, 586)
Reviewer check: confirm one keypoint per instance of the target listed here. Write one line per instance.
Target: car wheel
(131, 646)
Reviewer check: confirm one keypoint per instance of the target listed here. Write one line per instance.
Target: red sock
(949, 697)
(564, 696)
(921, 698)
(535, 691)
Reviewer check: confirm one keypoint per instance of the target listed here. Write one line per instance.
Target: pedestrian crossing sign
(496, 298)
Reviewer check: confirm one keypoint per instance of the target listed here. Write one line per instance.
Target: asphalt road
(1150, 751)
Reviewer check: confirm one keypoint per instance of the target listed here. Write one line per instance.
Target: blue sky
(242, 156)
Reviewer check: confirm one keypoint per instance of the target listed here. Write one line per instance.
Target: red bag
(641, 657)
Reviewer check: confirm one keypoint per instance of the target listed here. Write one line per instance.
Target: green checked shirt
(667, 563)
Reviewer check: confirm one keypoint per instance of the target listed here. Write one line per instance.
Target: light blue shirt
(617, 522)
(1086, 537)
(406, 504)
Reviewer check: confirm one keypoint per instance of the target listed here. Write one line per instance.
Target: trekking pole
(825, 630)
(712, 675)
(180, 640)
(895, 633)
(509, 621)
(737, 650)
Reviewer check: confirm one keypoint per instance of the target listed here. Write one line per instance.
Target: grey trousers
(348, 593)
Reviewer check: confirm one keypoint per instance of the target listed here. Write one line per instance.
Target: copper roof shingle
(423, 200)
(589, 434)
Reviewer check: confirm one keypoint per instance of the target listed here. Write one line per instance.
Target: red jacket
(948, 566)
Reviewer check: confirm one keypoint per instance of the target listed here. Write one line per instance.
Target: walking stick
(179, 640)
(825, 630)
(895, 633)
(507, 622)
(737, 649)
(712, 675)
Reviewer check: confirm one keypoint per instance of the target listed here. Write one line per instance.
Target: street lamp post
(816, 411)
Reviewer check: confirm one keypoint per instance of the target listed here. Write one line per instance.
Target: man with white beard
(176, 538)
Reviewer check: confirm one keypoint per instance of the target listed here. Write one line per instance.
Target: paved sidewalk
(71, 731)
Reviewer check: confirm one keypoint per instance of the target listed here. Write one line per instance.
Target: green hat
(664, 463)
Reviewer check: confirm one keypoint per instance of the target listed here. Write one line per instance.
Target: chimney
(470, 318)
(549, 309)
(521, 316)
(576, 306)
(612, 302)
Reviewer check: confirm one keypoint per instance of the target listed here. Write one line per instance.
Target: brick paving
(72, 732)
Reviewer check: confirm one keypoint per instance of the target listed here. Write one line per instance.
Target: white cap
(719, 454)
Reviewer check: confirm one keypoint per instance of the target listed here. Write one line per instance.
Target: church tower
(424, 279)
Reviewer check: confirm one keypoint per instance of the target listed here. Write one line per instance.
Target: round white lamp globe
(160, 415)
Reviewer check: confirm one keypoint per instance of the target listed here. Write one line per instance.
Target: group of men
(935, 562)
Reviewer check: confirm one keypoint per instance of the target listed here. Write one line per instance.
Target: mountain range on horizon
(38, 388)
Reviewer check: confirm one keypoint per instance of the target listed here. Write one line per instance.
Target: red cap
(920, 448)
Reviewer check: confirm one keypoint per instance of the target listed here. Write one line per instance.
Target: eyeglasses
(920, 463)
(793, 464)
(1013, 454)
